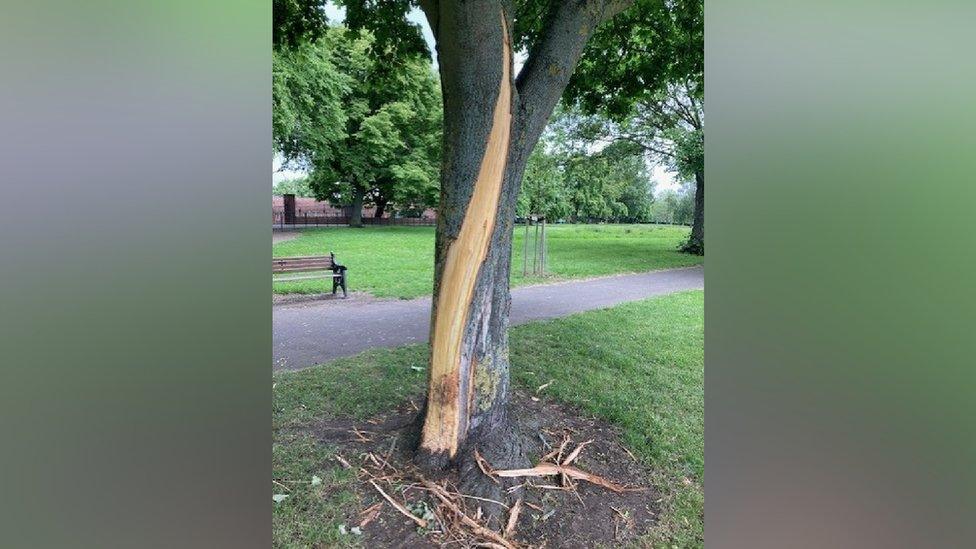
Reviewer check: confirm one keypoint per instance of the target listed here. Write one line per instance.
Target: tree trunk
(491, 124)
(356, 215)
(696, 242)
(380, 207)
(468, 381)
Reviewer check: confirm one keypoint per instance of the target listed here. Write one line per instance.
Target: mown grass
(399, 261)
(638, 365)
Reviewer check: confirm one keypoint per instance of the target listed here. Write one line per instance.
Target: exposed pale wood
(548, 469)
(513, 516)
(463, 260)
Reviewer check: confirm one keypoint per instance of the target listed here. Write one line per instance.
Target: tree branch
(430, 9)
(553, 59)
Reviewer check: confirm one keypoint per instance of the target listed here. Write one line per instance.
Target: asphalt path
(314, 332)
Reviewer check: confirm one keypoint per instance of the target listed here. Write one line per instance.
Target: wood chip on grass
(403, 510)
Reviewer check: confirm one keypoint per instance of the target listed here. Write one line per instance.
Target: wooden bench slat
(309, 267)
(304, 270)
(289, 265)
(327, 261)
(310, 277)
(328, 257)
(281, 265)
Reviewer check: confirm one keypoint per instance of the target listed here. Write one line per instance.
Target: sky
(665, 179)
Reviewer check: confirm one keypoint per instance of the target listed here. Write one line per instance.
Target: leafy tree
(675, 206)
(366, 125)
(602, 183)
(669, 126)
(298, 187)
(652, 45)
(609, 184)
(391, 151)
(685, 207)
(308, 116)
(492, 121)
(657, 78)
(294, 21)
(543, 188)
(638, 197)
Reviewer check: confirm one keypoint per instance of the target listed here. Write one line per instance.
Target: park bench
(310, 267)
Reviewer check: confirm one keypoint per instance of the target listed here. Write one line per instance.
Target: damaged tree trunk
(468, 381)
(491, 123)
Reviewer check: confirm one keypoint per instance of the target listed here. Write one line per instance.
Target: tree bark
(491, 124)
(380, 207)
(696, 242)
(356, 213)
(468, 380)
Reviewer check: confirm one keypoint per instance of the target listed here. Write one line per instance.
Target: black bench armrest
(336, 267)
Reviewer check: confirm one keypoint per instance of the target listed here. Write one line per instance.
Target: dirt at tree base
(585, 516)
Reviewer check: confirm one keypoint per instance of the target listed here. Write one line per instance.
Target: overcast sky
(664, 178)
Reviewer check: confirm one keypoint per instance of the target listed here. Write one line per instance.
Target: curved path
(310, 333)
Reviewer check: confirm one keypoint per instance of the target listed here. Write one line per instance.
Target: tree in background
(308, 117)
(365, 121)
(667, 127)
(654, 83)
(391, 152)
(670, 126)
(543, 190)
(298, 187)
(294, 21)
(587, 180)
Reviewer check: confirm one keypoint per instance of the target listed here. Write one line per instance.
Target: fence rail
(318, 218)
(324, 219)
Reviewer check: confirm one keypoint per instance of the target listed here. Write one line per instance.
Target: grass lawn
(638, 365)
(399, 261)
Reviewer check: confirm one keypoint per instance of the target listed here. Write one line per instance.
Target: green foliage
(569, 176)
(360, 121)
(639, 366)
(297, 187)
(307, 116)
(386, 21)
(675, 206)
(601, 184)
(543, 189)
(689, 151)
(294, 21)
(652, 44)
(399, 261)
(684, 210)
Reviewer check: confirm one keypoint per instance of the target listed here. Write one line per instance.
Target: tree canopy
(366, 125)
(567, 177)
(294, 21)
(652, 44)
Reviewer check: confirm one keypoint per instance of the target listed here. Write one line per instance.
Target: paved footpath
(310, 333)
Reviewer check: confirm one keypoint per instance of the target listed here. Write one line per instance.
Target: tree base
(695, 247)
(502, 447)
(384, 455)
